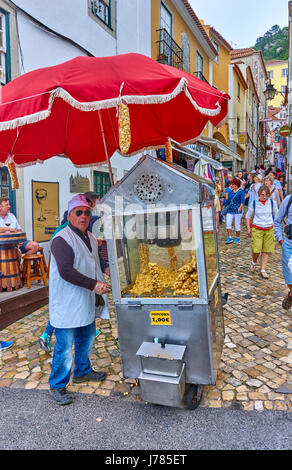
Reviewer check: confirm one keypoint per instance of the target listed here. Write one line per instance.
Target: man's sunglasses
(80, 212)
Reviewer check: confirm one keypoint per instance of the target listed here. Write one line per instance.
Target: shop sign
(242, 139)
(285, 131)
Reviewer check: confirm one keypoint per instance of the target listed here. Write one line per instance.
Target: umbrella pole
(105, 148)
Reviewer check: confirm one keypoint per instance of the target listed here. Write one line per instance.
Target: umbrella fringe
(105, 104)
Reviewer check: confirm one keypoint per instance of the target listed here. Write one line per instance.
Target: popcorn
(158, 281)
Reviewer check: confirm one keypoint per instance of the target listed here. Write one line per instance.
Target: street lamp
(270, 92)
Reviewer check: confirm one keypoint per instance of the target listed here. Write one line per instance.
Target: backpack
(287, 208)
(272, 205)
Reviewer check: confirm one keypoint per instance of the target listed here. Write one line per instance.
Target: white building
(43, 33)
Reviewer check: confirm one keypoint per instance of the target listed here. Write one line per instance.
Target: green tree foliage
(274, 43)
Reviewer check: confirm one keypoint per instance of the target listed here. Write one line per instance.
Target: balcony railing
(169, 51)
(201, 76)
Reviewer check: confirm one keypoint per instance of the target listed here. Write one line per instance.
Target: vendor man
(9, 223)
(75, 279)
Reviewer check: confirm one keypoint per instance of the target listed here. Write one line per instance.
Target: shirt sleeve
(17, 224)
(278, 222)
(250, 212)
(64, 256)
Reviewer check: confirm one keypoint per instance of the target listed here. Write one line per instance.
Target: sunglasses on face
(80, 212)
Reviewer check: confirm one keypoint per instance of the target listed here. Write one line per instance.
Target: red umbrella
(73, 109)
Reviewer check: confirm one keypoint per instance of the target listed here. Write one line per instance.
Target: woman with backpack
(263, 212)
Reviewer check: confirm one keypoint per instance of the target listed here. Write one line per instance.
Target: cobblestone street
(256, 360)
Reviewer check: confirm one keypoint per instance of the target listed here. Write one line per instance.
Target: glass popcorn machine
(159, 223)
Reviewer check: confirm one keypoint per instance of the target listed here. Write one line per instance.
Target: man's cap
(77, 201)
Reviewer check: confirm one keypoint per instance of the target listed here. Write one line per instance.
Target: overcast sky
(241, 23)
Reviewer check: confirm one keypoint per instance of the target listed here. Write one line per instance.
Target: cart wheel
(194, 396)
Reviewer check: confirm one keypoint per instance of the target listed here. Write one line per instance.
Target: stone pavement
(257, 355)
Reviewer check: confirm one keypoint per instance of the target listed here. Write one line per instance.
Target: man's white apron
(71, 306)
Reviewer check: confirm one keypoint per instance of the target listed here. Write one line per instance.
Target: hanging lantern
(12, 172)
(124, 128)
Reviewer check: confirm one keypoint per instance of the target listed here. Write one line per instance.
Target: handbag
(226, 208)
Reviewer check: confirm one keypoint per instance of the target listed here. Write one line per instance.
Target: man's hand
(249, 232)
(101, 288)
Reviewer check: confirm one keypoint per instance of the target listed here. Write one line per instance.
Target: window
(103, 11)
(5, 73)
(238, 125)
(283, 89)
(165, 19)
(216, 45)
(101, 183)
(200, 63)
(238, 91)
(271, 74)
(284, 72)
(5, 188)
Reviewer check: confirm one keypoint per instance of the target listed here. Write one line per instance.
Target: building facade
(278, 75)
(179, 39)
(253, 68)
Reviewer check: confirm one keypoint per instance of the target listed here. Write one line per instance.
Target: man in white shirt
(9, 223)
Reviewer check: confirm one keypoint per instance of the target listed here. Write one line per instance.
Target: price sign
(159, 318)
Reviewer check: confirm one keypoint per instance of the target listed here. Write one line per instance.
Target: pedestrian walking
(234, 211)
(255, 186)
(285, 215)
(277, 183)
(262, 213)
(249, 182)
(75, 279)
(275, 195)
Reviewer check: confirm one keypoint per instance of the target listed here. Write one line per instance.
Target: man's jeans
(83, 339)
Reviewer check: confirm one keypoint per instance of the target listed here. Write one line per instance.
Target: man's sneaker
(61, 396)
(287, 302)
(5, 345)
(45, 342)
(94, 376)
(237, 241)
(229, 240)
(97, 333)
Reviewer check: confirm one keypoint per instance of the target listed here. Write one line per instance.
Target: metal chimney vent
(149, 188)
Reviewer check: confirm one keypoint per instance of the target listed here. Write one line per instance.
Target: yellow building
(179, 39)
(278, 74)
(220, 75)
(238, 110)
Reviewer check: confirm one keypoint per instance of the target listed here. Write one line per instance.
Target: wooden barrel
(12, 238)
(9, 265)
(9, 268)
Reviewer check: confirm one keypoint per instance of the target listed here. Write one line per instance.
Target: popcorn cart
(159, 222)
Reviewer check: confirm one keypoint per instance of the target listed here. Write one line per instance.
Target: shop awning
(197, 155)
(219, 147)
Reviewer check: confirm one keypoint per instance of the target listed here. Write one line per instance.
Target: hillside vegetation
(274, 43)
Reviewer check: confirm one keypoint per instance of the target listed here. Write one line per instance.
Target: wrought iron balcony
(169, 52)
(201, 76)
